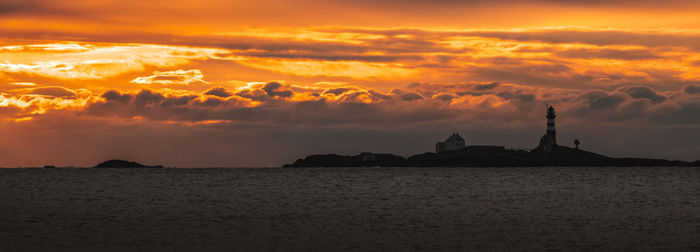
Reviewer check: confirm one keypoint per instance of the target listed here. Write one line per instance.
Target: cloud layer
(483, 111)
(230, 83)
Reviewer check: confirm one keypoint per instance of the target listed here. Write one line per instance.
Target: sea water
(328, 209)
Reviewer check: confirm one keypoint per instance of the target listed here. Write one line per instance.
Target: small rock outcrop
(115, 163)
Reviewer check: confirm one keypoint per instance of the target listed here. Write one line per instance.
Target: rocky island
(115, 163)
(483, 156)
(453, 152)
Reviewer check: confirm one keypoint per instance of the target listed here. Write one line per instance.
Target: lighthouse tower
(548, 142)
(551, 131)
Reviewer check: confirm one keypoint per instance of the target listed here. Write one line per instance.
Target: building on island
(547, 143)
(453, 142)
(549, 140)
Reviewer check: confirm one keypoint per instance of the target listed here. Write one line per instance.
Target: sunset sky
(260, 83)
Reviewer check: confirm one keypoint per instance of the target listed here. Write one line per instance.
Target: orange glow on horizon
(238, 66)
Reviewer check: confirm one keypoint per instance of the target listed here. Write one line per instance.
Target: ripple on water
(350, 209)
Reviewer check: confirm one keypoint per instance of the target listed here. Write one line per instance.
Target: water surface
(276, 209)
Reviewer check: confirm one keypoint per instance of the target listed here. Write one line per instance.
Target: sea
(350, 209)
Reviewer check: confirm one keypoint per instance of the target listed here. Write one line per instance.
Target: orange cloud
(88, 61)
(348, 67)
(274, 107)
(182, 77)
(276, 102)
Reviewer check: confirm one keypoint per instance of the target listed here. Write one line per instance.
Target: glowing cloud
(182, 77)
(343, 68)
(75, 61)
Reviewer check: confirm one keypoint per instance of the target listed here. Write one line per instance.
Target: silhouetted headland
(484, 156)
(454, 152)
(115, 163)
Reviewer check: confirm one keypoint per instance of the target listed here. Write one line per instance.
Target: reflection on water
(350, 209)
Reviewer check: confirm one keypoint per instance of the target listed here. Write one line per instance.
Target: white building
(454, 142)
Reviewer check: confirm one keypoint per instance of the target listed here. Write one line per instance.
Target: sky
(216, 83)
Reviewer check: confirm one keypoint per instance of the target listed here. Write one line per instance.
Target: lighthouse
(548, 142)
(551, 131)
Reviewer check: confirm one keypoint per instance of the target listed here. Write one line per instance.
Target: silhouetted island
(483, 156)
(453, 152)
(115, 163)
